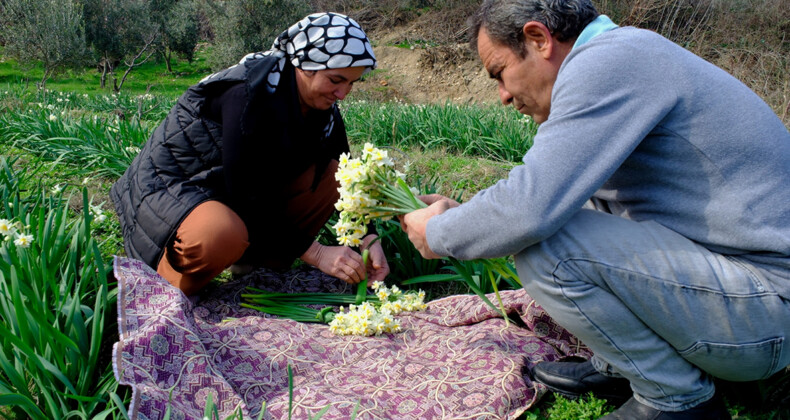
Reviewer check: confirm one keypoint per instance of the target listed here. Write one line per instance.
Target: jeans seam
(761, 291)
(752, 275)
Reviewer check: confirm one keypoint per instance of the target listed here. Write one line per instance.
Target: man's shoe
(712, 409)
(573, 379)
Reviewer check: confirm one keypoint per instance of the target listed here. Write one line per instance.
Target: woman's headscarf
(318, 42)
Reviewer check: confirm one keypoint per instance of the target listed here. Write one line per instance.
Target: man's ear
(537, 38)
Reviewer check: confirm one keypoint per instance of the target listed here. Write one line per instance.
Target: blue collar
(598, 26)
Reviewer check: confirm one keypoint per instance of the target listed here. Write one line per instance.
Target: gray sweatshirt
(651, 132)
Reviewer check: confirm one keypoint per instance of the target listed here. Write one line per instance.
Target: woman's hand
(337, 261)
(377, 267)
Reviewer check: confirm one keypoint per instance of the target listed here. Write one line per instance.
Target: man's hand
(377, 267)
(338, 261)
(414, 223)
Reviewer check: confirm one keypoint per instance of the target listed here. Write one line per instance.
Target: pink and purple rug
(457, 359)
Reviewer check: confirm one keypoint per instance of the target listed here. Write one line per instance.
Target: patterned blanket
(456, 359)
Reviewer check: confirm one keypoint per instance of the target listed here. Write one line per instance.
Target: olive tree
(177, 23)
(244, 26)
(45, 31)
(121, 33)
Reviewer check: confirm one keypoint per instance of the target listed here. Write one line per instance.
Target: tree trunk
(103, 79)
(167, 55)
(43, 84)
(134, 64)
(48, 70)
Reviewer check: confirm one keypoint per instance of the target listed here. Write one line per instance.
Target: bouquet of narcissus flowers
(371, 188)
(374, 318)
(366, 314)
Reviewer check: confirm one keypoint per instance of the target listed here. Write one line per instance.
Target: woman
(242, 169)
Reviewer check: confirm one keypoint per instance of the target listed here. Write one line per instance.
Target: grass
(54, 304)
(414, 43)
(492, 132)
(49, 161)
(150, 77)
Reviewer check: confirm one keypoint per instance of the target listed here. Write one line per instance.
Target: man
(651, 218)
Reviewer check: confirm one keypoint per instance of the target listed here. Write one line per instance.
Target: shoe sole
(612, 398)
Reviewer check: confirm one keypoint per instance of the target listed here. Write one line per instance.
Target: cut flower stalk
(295, 305)
(366, 314)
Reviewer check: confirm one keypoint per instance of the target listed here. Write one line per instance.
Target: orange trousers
(213, 236)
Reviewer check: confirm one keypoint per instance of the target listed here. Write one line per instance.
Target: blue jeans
(657, 308)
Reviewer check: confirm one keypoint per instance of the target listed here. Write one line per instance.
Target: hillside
(424, 56)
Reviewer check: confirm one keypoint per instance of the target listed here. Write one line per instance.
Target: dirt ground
(425, 74)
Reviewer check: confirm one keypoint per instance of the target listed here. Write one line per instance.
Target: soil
(425, 74)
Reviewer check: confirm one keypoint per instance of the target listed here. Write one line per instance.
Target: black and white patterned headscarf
(318, 42)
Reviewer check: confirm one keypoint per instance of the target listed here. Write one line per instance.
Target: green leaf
(119, 403)
(290, 392)
(471, 283)
(24, 403)
(263, 410)
(432, 278)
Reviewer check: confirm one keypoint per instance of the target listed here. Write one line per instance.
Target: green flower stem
(418, 204)
(399, 199)
(303, 298)
(394, 211)
(362, 287)
(306, 298)
(295, 313)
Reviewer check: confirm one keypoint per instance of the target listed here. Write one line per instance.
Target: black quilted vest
(179, 167)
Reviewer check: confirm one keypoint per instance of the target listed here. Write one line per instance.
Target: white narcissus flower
(7, 228)
(23, 241)
(98, 213)
(381, 158)
(348, 240)
(367, 150)
(383, 295)
(340, 227)
(343, 161)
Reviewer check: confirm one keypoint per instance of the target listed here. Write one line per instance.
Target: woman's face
(321, 89)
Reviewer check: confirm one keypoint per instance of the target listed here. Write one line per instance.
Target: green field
(64, 147)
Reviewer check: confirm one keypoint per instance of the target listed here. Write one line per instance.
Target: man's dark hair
(503, 20)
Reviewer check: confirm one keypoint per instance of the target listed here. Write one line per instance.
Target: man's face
(524, 82)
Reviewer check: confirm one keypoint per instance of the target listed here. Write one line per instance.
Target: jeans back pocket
(736, 362)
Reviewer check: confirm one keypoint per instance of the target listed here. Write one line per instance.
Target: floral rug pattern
(456, 359)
